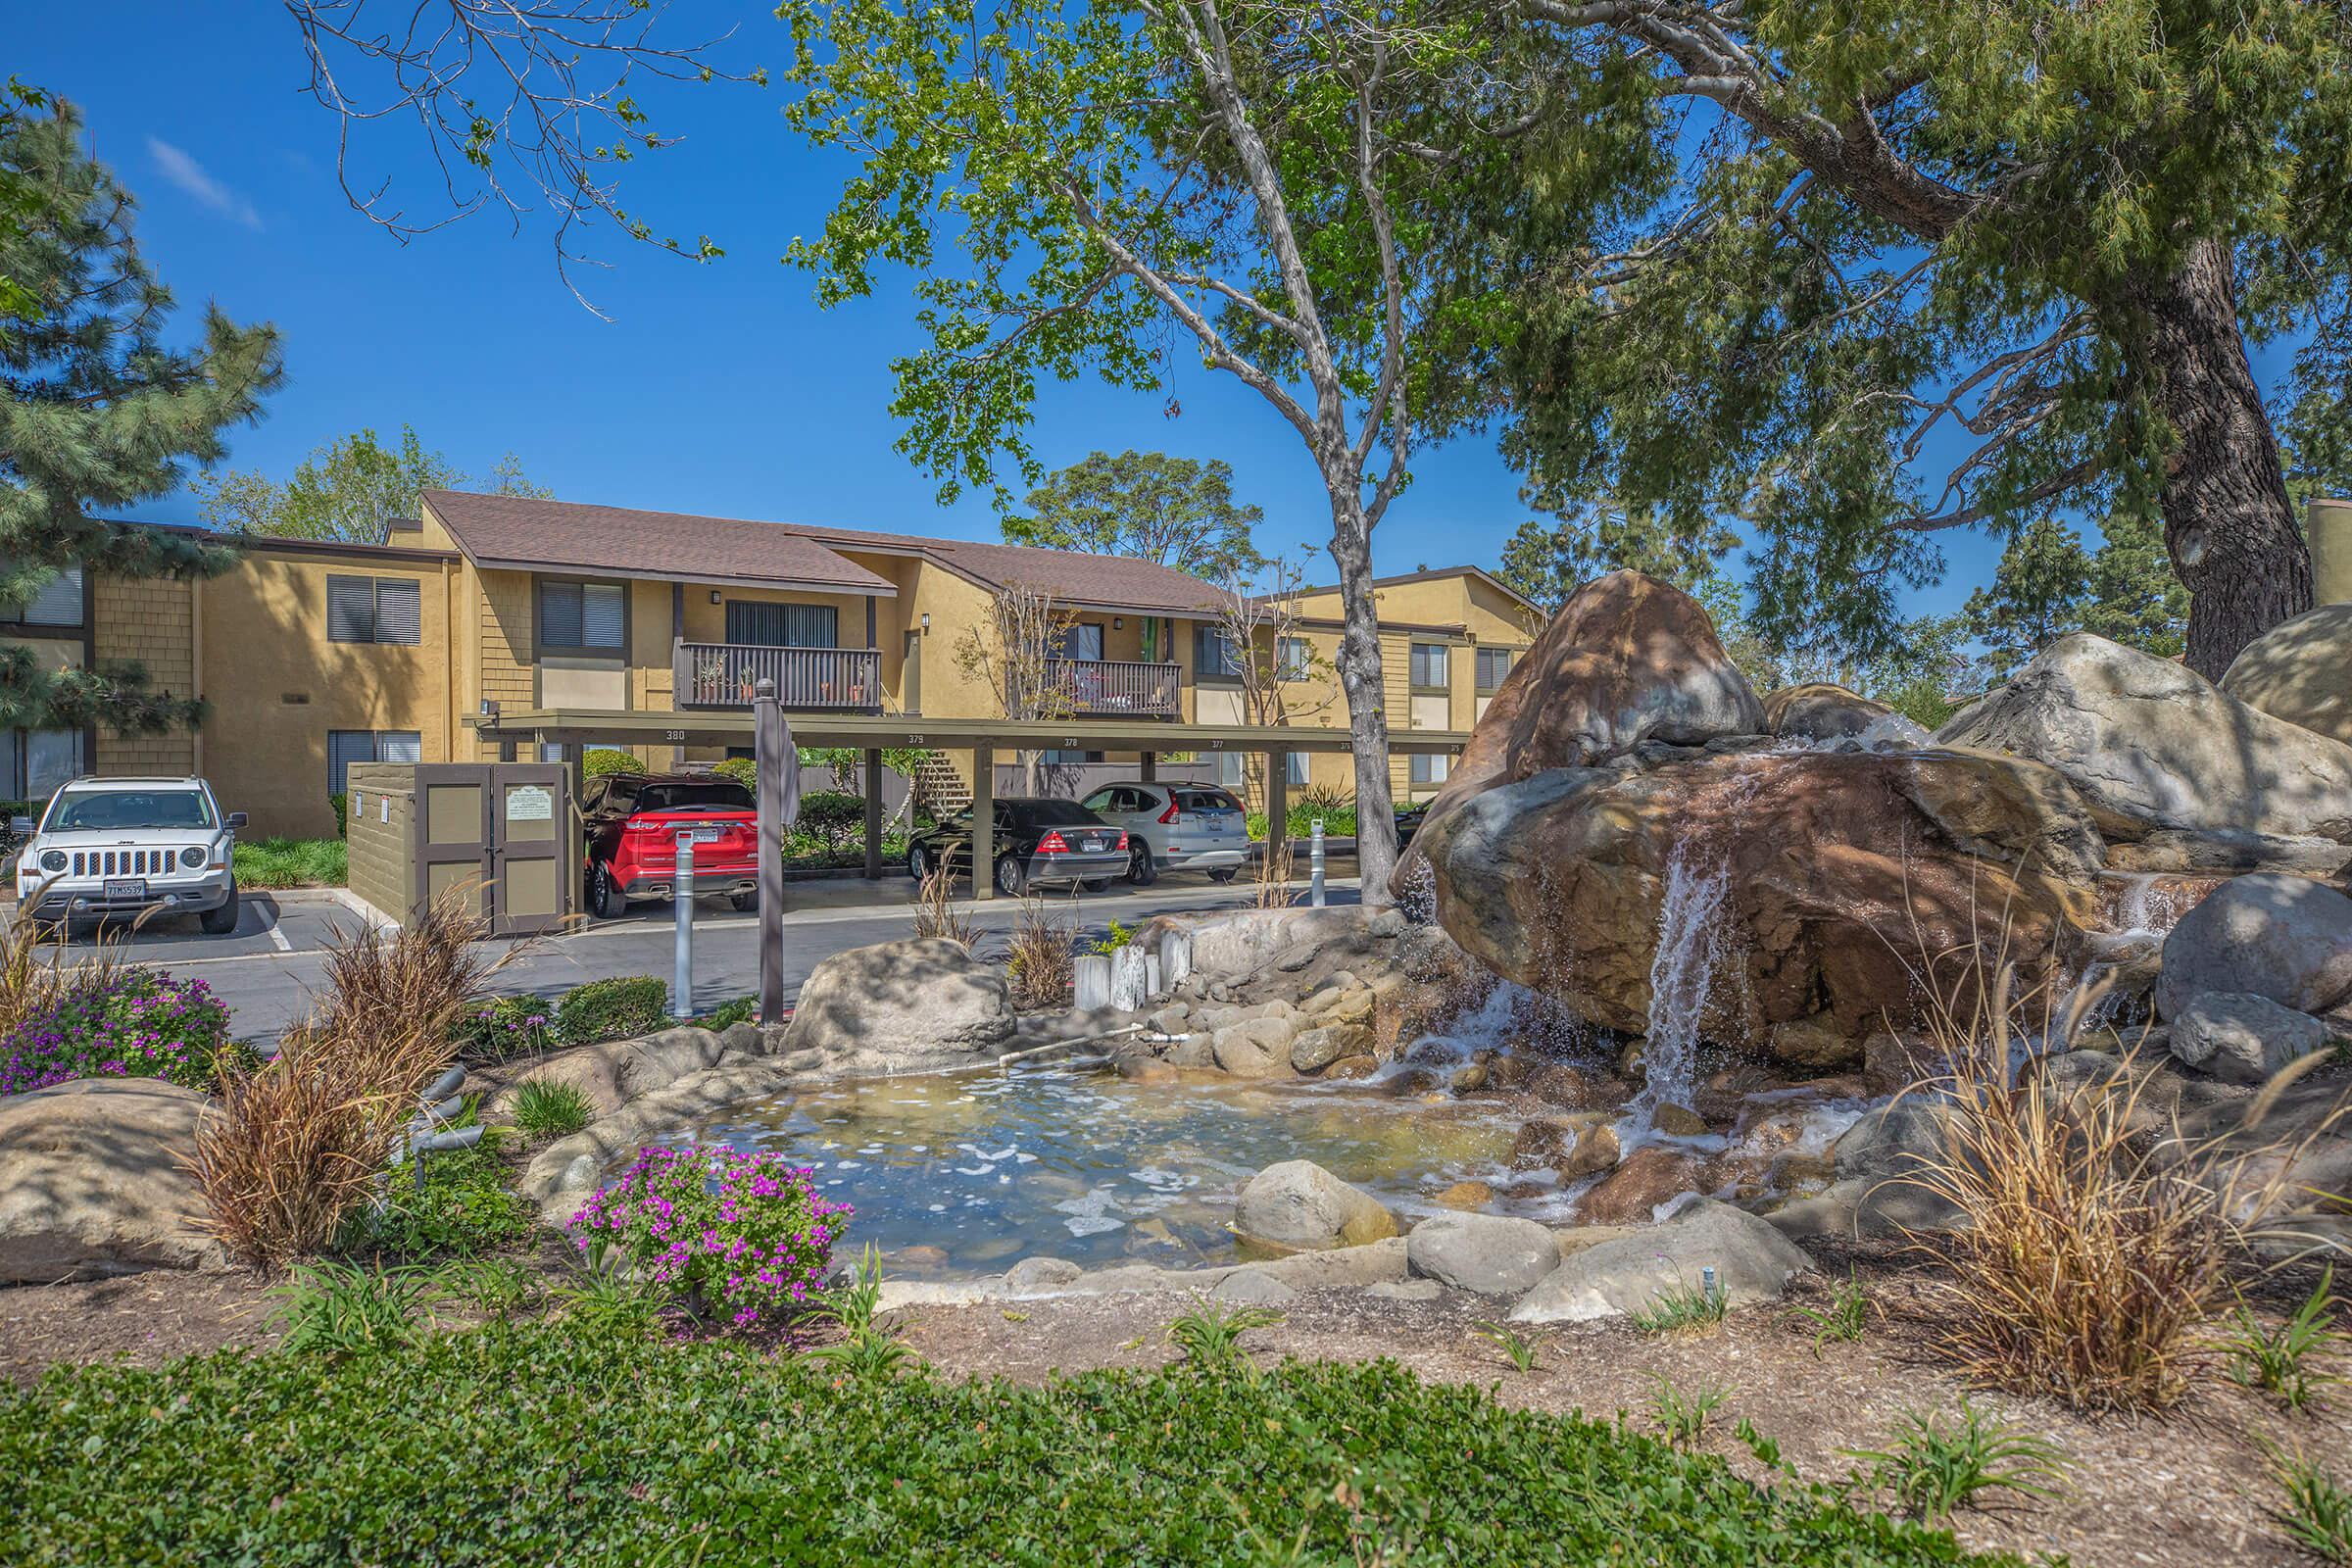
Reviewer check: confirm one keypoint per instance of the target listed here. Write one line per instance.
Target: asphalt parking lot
(267, 968)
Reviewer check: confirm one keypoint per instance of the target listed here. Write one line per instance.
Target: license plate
(1090, 845)
(705, 835)
(122, 888)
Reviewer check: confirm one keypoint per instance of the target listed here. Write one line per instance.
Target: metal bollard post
(1314, 864)
(681, 986)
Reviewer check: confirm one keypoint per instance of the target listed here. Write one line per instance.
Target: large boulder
(2269, 934)
(1752, 1263)
(1819, 712)
(1298, 1206)
(1838, 880)
(1627, 659)
(614, 1072)
(94, 1181)
(902, 1007)
(1489, 1254)
(2151, 744)
(2300, 671)
(2243, 1039)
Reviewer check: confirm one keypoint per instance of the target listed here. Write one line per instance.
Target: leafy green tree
(1177, 511)
(97, 412)
(2036, 594)
(2134, 596)
(1095, 191)
(1549, 561)
(351, 489)
(2028, 243)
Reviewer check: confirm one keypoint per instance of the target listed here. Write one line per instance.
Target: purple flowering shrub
(124, 1021)
(502, 1028)
(739, 1237)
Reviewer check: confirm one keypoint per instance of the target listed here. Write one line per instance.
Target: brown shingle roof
(567, 536)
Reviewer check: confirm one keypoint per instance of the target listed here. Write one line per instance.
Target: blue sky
(718, 388)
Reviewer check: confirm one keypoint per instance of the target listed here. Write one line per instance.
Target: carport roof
(733, 728)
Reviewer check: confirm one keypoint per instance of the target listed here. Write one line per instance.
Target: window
(1068, 759)
(1429, 667)
(120, 810)
(1492, 665)
(764, 625)
(1081, 641)
(1293, 767)
(56, 602)
(35, 762)
(373, 610)
(1425, 768)
(581, 616)
(1229, 768)
(1293, 659)
(1214, 657)
(345, 746)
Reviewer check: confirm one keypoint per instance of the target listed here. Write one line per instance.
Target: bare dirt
(2190, 1488)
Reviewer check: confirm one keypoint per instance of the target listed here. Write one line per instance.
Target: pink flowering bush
(124, 1021)
(739, 1237)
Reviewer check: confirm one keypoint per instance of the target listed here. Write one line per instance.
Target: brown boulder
(1846, 878)
(1631, 1194)
(1627, 659)
(1819, 712)
(94, 1181)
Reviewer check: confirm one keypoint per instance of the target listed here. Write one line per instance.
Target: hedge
(538, 1444)
(612, 1010)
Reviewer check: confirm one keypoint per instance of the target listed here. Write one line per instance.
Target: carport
(574, 730)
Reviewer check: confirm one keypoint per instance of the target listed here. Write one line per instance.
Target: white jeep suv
(122, 846)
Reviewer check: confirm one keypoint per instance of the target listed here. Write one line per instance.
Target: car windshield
(1055, 813)
(721, 795)
(1205, 801)
(103, 811)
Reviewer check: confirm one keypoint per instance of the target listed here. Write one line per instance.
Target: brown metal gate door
(535, 853)
(453, 835)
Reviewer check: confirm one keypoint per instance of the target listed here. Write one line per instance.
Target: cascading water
(1682, 977)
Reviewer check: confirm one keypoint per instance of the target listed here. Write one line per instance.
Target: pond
(965, 1174)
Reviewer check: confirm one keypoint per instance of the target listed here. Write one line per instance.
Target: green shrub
(612, 1009)
(560, 1443)
(331, 1308)
(727, 1014)
(1934, 1467)
(292, 863)
(834, 819)
(503, 1028)
(599, 761)
(544, 1108)
(342, 802)
(742, 769)
(464, 1206)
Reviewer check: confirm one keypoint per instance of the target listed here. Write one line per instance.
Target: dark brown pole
(769, 740)
(873, 811)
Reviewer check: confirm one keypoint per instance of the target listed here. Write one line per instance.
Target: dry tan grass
(299, 1138)
(936, 913)
(1040, 964)
(1274, 878)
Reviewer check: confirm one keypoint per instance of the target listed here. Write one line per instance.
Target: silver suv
(1175, 827)
(120, 847)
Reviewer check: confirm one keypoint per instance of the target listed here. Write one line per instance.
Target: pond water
(967, 1173)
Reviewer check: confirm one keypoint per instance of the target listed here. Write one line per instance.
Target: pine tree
(2036, 596)
(1548, 561)
(96, 412)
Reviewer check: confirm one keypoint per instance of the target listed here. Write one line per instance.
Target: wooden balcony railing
(1118, 686)
(728, 674)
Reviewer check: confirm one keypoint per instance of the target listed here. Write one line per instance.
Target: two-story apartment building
(314, 655)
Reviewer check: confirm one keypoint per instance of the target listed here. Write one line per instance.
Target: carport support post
(873, 813)
(1149, 767)
(984, 822)
(768, 752)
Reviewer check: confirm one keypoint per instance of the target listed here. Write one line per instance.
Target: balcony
(846, 681)
(1116, 686)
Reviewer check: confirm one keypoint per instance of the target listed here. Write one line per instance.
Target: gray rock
(1893, 1140)
(94, 1181)
(1041, 1274)
(2243, 1039)
(1406, 1290)
(1300, 1206)
(1752, 1263)
(2148, 741)
(1490, 1253)
(1865, 1206)
(1259, 1048)
(617, 1071)
(1314, 1049)
(1249, 1284)
(2296, 671)
(2269, 935)
(902, 1007)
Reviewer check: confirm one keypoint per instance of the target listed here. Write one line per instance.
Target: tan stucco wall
(276, 685)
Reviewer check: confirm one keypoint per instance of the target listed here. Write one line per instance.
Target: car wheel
(1095, 884)
(918, 863)
(1011, 880)
(604, 897)
(1223, 873)
(743, 903)
(1141, 869)
(224, 920)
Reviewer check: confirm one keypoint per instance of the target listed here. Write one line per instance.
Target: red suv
(633, 822)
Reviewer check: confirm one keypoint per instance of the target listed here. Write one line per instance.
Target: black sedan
(1409, 819)
(1038, 842)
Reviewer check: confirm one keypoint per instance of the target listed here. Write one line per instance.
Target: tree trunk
(1360, 679)
(2227, 523)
